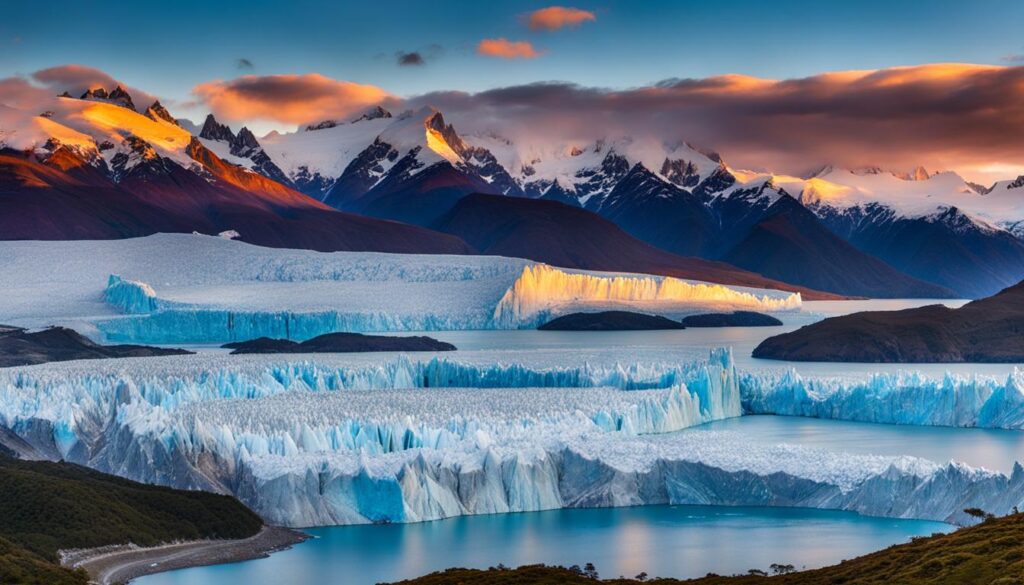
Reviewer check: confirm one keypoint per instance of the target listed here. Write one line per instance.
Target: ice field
(333, 439)
(330, 440)
(173, 288)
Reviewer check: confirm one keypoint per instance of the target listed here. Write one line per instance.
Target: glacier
(907, 398)
(181, 289)
(324, 440)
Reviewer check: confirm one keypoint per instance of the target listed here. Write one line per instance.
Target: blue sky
(169, 48)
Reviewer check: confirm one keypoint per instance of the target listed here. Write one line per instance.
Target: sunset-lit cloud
(77, 79)
(28, 91)
(288, 99)
(961, 117)
(507, 49)
(946, 116)
(556, 17)
(18, 92)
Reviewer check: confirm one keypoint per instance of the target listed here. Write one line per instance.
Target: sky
(202, 56)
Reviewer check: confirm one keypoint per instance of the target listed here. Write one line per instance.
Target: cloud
(244, 63)
(556, 17)
(507, 49)
(288, 99)
(29, 91)
(943, 116)
(1014, 58)
(18, 92)
(412, 58)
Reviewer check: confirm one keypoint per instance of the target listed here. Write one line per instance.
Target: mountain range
(95, 167)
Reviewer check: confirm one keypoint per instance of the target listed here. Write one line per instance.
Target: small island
(989, 330)
(734, 319)
(19, 347)
(610, 321)
(340, 343)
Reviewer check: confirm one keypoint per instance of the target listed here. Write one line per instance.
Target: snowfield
(201, 289)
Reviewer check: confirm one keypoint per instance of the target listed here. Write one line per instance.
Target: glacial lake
(668, 541)
(993, 449)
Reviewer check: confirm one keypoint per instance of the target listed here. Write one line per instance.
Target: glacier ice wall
(400, 440)
(542, 292)
(304, 309)
(130, 296)
(907, 398)
(181, 324)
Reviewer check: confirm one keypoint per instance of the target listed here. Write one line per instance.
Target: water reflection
(676, 541)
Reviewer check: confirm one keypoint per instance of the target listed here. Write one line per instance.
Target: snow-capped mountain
(937, 227)
(93, 169)
(414, 166)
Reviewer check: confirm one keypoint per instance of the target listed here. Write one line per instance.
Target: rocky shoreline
(120, 564)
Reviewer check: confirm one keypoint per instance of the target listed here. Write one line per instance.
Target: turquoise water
(676, 541)
(669, 541)
(994, 449)
(693, 343)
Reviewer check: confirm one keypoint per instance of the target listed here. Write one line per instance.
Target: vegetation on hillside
(45, 507)
(991, 553)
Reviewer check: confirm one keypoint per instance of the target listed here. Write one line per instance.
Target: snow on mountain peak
(374, 113)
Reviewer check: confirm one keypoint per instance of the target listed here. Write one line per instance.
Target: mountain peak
(118, 97)
(374, 113)
(918, 174)
(94, 93)
(245, 143)
(322, 125)
(442, 138)
(157, 112)
(214, 130)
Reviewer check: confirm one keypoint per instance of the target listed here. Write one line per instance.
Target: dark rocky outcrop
(118, 96)
(214, 130)
(610, 321)
(987, 330)
(19, 347)
(340, 343)
(734, 319)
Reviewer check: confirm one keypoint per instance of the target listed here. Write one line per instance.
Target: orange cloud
(948, 116)
(556, 17)
(76, 79)
(289, 99)
(507, 49)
